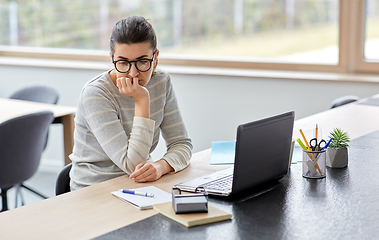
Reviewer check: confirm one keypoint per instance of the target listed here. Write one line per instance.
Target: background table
(10, 108)
(358, 119)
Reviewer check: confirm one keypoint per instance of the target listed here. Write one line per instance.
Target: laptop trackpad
(208, 178)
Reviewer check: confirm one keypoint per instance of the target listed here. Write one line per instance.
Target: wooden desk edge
(68, 135)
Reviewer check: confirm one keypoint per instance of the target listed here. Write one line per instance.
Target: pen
(326, 145)
(137, 193)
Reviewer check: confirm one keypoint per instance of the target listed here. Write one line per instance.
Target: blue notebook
(223, 152)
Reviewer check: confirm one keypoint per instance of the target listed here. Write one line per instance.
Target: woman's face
(134, 52)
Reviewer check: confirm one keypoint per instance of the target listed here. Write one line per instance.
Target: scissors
(317, 146)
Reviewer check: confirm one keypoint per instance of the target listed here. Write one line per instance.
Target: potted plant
(336, 153)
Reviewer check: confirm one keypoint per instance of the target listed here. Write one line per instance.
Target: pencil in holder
(314, 164)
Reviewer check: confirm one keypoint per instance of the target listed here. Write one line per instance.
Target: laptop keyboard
(222, 184)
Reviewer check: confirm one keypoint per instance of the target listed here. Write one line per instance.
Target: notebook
(142, 202)
(193, 219)
(262, 151)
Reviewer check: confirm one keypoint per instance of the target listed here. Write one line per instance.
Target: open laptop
(262, 155)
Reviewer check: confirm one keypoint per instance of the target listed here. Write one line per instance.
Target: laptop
(262, 155)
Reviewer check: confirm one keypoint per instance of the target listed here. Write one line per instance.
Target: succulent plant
(340, 138)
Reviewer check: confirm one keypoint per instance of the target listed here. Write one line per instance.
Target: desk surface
(93, 211)
(344, 205)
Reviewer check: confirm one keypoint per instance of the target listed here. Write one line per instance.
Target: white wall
(212, 106)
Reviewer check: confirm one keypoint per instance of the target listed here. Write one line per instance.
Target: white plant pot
(336, 157)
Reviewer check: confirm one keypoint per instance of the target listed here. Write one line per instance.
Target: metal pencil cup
(314, 164)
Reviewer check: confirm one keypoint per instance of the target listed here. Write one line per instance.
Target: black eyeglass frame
(135, 63)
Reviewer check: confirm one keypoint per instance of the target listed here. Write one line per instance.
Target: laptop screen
(262, 151)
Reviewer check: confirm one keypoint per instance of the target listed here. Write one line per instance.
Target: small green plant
(340, 139)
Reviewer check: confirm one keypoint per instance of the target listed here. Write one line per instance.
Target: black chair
(344, 100)
(22, 140)
(42, 94)
(63, 181)
(37, 93)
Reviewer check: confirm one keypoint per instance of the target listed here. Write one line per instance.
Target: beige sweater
(110, 141)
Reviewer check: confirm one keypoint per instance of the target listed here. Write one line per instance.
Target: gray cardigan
(110, 141)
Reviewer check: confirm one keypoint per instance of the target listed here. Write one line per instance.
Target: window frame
(360, 64)
(351, 57)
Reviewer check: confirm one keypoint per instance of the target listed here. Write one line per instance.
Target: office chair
(42, 94)
(22, 140)
(344, 100)
(37, 93)
(63, 181)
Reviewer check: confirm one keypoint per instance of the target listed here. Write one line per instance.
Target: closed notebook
(193, 219)
(142, 202)
(223, 152)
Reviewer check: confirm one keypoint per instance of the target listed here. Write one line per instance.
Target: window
(371, 44)
(301, 31)
(307, 35)
(363, 37)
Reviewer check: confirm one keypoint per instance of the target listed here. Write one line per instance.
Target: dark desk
(344, 205)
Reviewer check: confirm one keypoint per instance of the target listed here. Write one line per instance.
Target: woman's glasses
(142, 65)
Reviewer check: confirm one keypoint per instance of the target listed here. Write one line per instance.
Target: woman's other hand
(150, 171)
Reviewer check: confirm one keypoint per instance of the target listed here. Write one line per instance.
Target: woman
(121, 113)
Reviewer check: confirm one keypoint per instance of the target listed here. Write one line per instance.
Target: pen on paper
(137, 193)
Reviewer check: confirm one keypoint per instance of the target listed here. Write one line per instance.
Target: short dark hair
(131, 30)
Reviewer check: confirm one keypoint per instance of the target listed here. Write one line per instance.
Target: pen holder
(314, 164)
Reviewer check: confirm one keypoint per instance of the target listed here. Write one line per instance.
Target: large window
(309, 35)
(371, 44)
